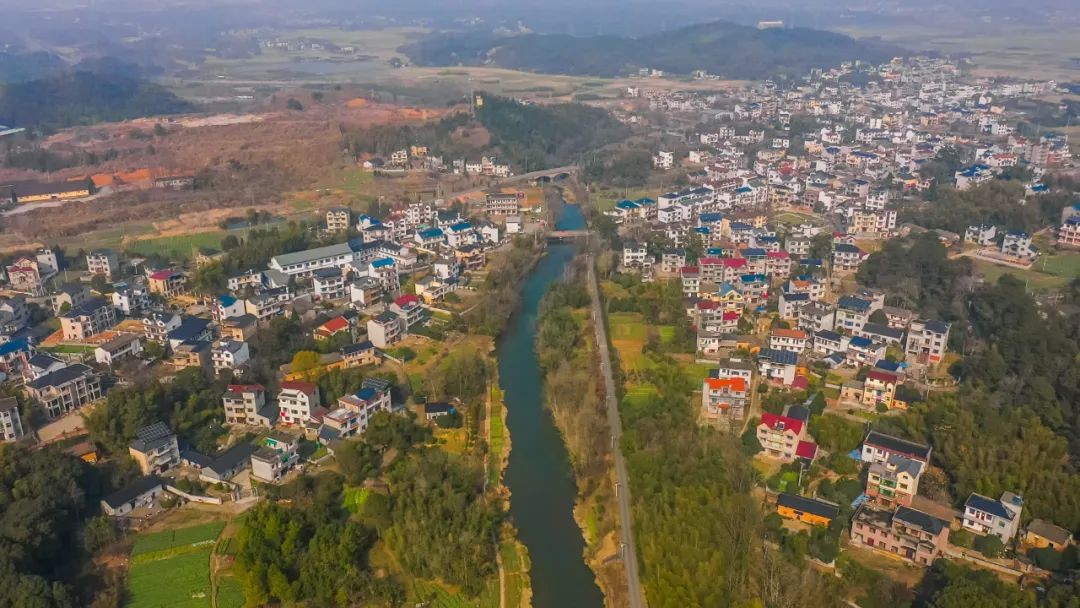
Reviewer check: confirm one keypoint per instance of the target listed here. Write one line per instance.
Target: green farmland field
(181, 581)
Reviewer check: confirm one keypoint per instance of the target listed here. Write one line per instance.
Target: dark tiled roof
(808, 505)
(882, 330)
(918, 519)
(60, 376)
(900, 446)
(988, 505)
(783, 357)
(132, 491)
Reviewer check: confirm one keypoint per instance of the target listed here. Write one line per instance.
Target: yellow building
(806, 510)
(36, 192)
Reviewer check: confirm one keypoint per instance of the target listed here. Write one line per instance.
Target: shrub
(989, 545)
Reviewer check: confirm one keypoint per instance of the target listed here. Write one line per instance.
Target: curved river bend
(538, 473)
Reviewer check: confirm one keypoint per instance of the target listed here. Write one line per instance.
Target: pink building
(910, 534)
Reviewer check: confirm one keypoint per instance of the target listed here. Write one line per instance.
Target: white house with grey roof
(1001, 517)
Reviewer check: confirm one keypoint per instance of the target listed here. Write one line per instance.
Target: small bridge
(562, 235)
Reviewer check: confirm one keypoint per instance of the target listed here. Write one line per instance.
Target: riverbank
(575, 397)
(539, 474)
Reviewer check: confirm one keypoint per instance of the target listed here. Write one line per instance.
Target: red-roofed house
(780, 435)
(166, 283)
(409, 308)
(778, 264)
(298, 401)
(333, 327)
(807, 450)
(879, 387)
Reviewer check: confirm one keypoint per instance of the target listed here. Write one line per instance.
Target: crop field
(179, 581)
(628, 326)
(230, 594)
(157, 542)
(1036, 281)
(496, 435)
(1062, 265)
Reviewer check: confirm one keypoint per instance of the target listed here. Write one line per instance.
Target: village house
(895, 481)
(807, 510)
(11, 428)
(277, 455)
(373, 397)
(1001, 518)
(1041, 534)
(1017, 244)
(386, 329)
(926, 342)
(723, 399)
(65, 389)
(338, 219)
(88, 319)
(783, 437)
(793, 340)
(229, 356)
(913, 535)
(240, 328)
(119, 348)
(984, 235)
(298, 402)
(816, 317)
(166, 283)
(635, 255)
(141, 493)
(360, 354)
(877, 447)
(778, 365)
(852, 313)
(102, 262)
(246, 404)
(155, 449)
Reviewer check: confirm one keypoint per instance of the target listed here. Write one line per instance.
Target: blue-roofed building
(1001, 517)
(429, 238)
(366, 402)
(778, 365)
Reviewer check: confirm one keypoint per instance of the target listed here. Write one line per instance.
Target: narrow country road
(622, 489)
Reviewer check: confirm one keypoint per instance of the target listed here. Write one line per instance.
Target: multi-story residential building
(298, 402)
(634, 255)
(89, 319)
(926, 342)
(338, 219)
(503, 203)
(778, 366)
(328, 284)
(828, 343)
(780, 436)
(11, 428)
(895, 481)
(130, 298)
(229, 355)
(723, 399)
(155, 449)
(167, 283)
(65, 389)
(366, 402)
(360, 354)
(794, 340)
(877, 447)
(851, 314)
(910, 534)
(1017, 244)
(984, 235)
(846, 258)
(385, 329)
(815, 317)
(672, 260)
(192, 355)
(305, 263)
(798, 245)
(240, 328)
(246, 404)
(879, 388)
(409, 308)
(1069, 231)
(276, 457)
(103, 262)
(984, 515)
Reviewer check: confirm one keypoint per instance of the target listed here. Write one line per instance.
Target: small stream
(538, 473)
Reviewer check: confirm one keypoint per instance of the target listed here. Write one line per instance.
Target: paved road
(626, 522)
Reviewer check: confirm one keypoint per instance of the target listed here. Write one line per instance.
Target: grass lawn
(696, 372)
(157, 542)
(454, 441)
(793, 219)
(1036, 281)
(181, 581)
(605, 200)
(181, 246)
(69, 349)
(352, 181)
(1062, 265)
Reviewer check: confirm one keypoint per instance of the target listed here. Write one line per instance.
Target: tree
(293, 104)
(305, 360)
(989, 545)
(750, 443)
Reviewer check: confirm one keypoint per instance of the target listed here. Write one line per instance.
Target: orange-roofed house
(723, 399)
(333, 327)
(793, 340)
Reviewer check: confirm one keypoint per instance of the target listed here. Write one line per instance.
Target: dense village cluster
(766, 241)
(71, 335)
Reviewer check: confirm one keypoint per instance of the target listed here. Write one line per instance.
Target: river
(538, 473)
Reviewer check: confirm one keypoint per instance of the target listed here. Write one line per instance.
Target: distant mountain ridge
(721, 48)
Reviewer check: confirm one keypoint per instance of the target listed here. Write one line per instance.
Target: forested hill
(725, 49)
(78, 97)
